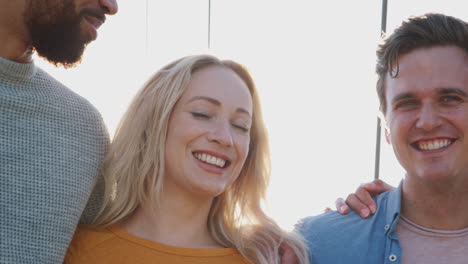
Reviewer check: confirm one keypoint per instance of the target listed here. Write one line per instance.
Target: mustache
(93, 12)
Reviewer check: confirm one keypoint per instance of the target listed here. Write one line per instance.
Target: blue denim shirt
(334, 238)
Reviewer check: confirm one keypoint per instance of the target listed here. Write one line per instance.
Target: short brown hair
(424, 31)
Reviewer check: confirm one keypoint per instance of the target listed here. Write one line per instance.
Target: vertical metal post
(383, 28)
(146, 29)
(377, 151)
(209, 24)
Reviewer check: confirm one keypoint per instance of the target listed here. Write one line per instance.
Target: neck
(435, 205)
(177, 222)
(15, 44)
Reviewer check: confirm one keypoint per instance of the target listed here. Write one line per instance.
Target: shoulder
(87, 237)
(336, 227)
(332, 222)
(327, 225)
(335, 238)
(65, 97)
(75, 113)
(85, 240)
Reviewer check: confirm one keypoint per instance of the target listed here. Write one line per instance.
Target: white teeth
(210, 159)
(435, 144)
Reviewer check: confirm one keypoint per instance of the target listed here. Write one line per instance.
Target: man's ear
(387, 136)
(383, 124)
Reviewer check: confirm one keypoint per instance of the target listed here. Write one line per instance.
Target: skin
(429, 103)
(212, 116)
(16, 40)
(429, 111)
(287, 255)
(361, 200)
(211, 120)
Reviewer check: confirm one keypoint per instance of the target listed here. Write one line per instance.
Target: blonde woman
(186, 173)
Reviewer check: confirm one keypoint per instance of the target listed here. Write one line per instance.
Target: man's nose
(428, 118)
(110, 6)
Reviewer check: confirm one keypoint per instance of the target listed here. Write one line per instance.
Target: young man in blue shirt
(423, 92)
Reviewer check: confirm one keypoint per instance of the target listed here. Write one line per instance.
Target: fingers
(357, 205)
(341, 206)
(363, 196)
(361, 200)
(287, 255)
(377, 187)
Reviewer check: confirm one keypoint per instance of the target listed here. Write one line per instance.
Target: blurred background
(313, 62)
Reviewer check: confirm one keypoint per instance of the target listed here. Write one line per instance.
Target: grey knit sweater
(52, 143)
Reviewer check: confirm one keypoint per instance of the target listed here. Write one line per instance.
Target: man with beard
(52, 141)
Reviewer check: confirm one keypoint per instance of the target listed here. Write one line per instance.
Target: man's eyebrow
(451, 91)
(401, 97)
(218, 103)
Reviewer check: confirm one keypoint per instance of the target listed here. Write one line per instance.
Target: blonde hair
(134, 168)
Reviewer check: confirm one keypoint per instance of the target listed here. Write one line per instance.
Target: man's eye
(404, 104)
(200, 115)
(450, 98)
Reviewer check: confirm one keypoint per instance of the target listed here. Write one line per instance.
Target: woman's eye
(200, 115)
(241, 128)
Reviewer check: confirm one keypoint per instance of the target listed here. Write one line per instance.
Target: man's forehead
(437, 67)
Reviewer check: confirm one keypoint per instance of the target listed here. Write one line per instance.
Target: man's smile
(432, 144)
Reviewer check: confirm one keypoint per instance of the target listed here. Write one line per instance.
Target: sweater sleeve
(94, 203)
(97, 194)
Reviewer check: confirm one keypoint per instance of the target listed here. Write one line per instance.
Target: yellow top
(114, 245)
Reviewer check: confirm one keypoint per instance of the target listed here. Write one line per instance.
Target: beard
(54, 27)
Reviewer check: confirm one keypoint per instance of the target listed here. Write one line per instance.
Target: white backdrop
(313, 62)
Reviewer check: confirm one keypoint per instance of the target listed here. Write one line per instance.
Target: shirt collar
(393, 207)
(15, 70)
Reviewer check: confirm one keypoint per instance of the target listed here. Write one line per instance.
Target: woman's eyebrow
(216, 102)
(205, 98)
